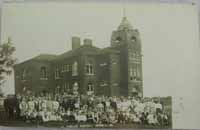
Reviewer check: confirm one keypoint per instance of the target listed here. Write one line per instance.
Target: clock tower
(126, 39)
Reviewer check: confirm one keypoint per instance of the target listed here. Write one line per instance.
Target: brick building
(86, 69)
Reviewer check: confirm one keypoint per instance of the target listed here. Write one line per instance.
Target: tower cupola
(125, 24)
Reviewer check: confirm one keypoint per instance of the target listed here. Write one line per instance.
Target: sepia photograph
(99, 65)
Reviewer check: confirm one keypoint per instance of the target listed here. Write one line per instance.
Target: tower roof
(125, 24)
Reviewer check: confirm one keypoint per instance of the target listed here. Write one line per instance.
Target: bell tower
(126, 39)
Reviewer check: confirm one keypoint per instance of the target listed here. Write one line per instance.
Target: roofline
(34, 59)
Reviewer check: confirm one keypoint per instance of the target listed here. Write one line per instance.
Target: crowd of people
(94, 110)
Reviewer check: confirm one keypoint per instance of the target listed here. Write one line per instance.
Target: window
(131, 73)
(43, 73)
(118, 39)
(75, 88)
(90, 87)
(133, 55)
(24, 74)
(138, 72)
(66, 87)
(113, 61)
(134, 72)
(65, 68)
(57, 89)
(24, 89)
(103, 84)
(57, 73)
(75, 69)
(133, 39)
(115, 84)
(138, 55)
(89, 69)
(103, 64)
(134, 90)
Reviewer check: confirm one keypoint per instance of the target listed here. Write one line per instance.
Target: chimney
(76, 42)
(87, 42)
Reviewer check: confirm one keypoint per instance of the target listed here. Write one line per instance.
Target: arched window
(133, 39)
(118, 39)
(75, 69)
(43, 72)
(134, 91)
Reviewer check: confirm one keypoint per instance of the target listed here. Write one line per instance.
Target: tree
(7, 60)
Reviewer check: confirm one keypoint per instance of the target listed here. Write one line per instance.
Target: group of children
(72, 109)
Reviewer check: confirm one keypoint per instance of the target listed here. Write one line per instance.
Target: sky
(169, 34)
